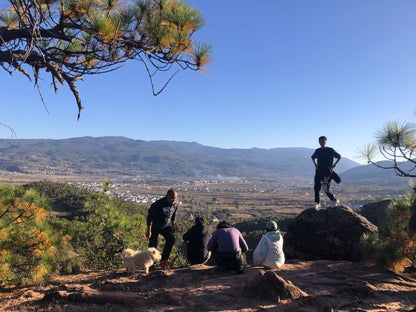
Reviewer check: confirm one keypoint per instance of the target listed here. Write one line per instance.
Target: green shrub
(391, 247)
(100, 237)
(29, 242)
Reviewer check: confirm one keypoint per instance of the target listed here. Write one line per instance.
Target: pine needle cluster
(28, 242)
(70, 39)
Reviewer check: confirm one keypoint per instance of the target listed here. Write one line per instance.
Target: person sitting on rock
(228, 245)
(269, 251)
(197, 239)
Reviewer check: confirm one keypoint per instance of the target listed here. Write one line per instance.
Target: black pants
(325, 182)
(169, 235)
(231, 261)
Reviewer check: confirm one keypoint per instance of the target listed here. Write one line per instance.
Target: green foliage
(178, 256)
(62, 197)
(182, 225)
(391, 247)
(67, 261)
(92, 239)
(396, 143)
(106, 185)
(129, 208)
(394, 135)
(379, 252)
(9, 18)
(28, 241)
(71, 199)
(398, 215)
(102, 235)
(96, 232)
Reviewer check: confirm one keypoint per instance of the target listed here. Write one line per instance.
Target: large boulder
(376, 212)
(329, 234)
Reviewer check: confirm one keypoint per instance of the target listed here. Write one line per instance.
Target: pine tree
(68, 39)
(28, 243)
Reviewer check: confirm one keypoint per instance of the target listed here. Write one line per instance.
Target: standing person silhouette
(161, 220)
(323, 159)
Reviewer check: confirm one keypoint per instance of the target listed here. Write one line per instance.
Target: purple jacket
(227, 240)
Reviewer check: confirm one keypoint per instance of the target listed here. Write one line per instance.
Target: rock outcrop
(329, 234)
(376, 212)
(269, 285)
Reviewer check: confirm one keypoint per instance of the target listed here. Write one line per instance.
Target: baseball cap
(271, 225)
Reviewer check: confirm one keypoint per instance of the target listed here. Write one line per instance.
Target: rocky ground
(327, 286)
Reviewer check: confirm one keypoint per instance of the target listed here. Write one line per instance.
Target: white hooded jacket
(269, 251)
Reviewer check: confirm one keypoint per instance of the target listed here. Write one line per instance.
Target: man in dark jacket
(161, 220)
(323, 159)
(197, 239)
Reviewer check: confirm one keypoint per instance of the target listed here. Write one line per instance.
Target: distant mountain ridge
(158, 157)
(124, 156)
(372, 175)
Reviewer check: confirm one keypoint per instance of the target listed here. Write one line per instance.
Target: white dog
(140, 258)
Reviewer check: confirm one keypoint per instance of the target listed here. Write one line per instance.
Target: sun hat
(271, 225)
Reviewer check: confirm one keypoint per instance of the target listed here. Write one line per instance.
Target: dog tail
(127, 253)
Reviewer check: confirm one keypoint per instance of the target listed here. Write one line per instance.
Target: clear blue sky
(283, 73)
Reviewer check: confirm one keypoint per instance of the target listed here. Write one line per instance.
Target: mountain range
(128, 157)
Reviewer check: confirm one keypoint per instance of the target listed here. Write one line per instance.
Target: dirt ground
(330, 286)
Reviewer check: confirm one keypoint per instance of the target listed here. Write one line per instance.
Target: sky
(283, 73)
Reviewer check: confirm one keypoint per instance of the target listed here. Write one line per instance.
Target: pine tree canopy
(67, 39)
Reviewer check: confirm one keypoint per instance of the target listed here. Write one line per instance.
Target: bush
(98, 227)
(29, 242)
(100, 237)
(392, 248)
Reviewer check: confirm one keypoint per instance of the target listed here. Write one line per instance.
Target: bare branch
(10, 128)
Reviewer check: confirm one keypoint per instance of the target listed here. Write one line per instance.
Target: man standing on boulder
(323, 159)
(161, 220)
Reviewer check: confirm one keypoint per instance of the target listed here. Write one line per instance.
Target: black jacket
(161, 213)
(197, 238)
